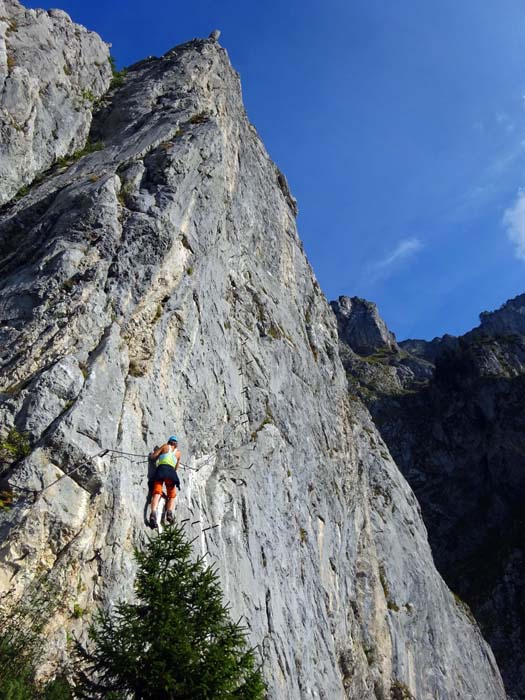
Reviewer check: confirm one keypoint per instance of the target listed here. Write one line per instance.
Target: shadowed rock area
(457, 435)
(159, 285)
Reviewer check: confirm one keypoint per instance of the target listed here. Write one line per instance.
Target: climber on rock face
(168, 459)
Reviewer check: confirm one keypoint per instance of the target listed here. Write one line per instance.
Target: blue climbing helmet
(172, 438)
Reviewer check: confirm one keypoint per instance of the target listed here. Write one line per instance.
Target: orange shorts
(170, 487)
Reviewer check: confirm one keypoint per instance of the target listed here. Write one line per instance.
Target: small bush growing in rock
(199, 118)
(90, 147)
(88, 96)
(14, 446)
(118, 75)
(400, 691)
(78, 611)
(22, 192)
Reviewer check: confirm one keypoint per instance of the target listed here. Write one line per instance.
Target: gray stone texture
(167, 269)
(51, 73)
(508, 320)
(361, 327)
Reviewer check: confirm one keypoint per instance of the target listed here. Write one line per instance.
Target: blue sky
(400, 127)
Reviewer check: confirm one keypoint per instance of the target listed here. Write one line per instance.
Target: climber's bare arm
(159, 451)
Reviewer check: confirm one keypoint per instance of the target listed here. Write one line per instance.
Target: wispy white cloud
(505, 121)
(514, 223)
(490, 183)
(404, 249)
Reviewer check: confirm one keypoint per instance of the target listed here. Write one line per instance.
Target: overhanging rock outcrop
(159, 285)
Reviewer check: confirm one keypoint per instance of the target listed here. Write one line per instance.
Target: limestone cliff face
(51, 73)
(458, 438)
(159, 286)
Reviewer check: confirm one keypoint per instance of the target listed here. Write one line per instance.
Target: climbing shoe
(153, 520)
(170, 518)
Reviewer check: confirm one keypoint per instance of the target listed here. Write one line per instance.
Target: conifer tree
(177, 641)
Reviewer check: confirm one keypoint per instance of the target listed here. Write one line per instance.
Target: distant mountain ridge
(509, 319)
(452, 412)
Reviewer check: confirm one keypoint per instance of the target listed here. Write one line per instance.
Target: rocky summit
(156, 283)
(451, 412)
